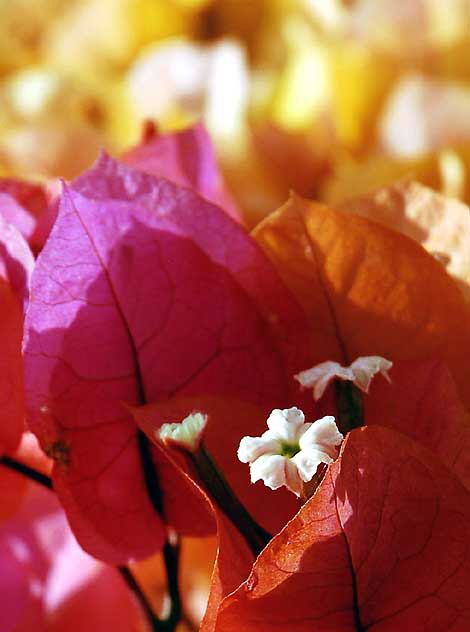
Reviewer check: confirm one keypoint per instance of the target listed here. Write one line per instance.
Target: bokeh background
(331, 98)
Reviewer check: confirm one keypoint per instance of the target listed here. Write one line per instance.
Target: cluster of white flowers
(291, 450)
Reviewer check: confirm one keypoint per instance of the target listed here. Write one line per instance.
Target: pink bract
(16, 263)
(48, 583)
(187, 158)
(146, 293)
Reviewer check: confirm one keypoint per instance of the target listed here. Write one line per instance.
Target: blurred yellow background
(329, 98)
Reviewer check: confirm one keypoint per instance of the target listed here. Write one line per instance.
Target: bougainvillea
(149, 304)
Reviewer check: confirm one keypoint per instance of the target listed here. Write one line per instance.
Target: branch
(157, 625)
(29, 472)
(170, 552)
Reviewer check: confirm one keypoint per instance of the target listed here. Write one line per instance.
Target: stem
(350, 415)
(171, 558)
(151, 479)
(350, 407)
(254, 534)
(25, 470)
(170, 552)
(130, 580)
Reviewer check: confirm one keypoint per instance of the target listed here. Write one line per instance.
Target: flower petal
(286, 423)
(323, 435)
(276, 471)
(251, 448)
(365, 368)
(319, 376)
(307, 462)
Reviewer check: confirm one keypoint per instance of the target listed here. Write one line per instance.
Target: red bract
(422, 403)
(383, 544)
(31, 208)
(29, 195)
(187, 158)
(143, 293)
(16, 262)
(13, 213)
(232, 565)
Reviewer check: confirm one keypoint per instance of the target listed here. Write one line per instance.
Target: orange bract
(366, 289)
(441, 224)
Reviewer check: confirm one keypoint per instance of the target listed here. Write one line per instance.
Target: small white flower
(360, 372)
(187, 434)
(291, 450)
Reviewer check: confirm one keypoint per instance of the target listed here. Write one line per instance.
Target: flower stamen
(289, 449)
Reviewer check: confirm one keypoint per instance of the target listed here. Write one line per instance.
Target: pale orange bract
(441, 224)
(367, 289)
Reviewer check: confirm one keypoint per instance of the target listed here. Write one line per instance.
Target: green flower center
(289, 449)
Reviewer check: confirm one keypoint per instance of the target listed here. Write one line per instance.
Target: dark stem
(349, 405)
(170, 552)
(29, 472)
(171, 558)
(257, 538)
(151, 479)
(130, 580)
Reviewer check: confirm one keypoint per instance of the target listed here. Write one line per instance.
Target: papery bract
(367, 290)
(16, 262)
(47, 582)
(234, 557)
(144, 291)
(441, 224)
(422, 402)
(13, 213)
(187, 158)
(232, 565)
(383, 543)
(30, 207)
(29, 195)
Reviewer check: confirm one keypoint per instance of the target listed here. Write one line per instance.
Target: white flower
(187, 434)
(291, 450)
(360, 373)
